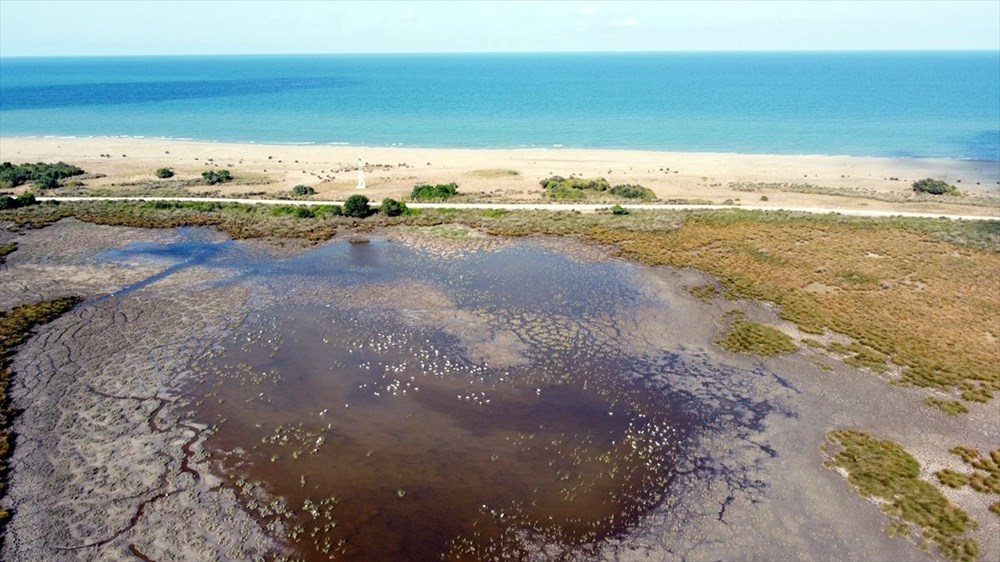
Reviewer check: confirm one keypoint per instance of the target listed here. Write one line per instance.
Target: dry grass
(908, 196)
(495, 173)
(898, 290)
(885, 471)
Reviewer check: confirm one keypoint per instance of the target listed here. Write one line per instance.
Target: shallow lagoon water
(383, 402)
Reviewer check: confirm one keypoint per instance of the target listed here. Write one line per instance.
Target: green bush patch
(392, 208)
(44, 175)
(437, 192)
(934, 187)
(885, 471)
(212, 177)
(745, 336)
(631, 191)
(357, 206)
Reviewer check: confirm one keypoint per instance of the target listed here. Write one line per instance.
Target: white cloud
(588, 11)
(623, 22)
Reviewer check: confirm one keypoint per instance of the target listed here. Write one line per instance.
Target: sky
(85, 28)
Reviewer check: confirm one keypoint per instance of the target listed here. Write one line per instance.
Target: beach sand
(514, 174)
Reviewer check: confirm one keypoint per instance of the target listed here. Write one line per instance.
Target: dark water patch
(428, 454)
(122, 93)
(371, 409)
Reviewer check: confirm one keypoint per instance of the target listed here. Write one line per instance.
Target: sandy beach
(513, 174)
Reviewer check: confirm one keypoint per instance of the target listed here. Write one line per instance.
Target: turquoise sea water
(927, 104)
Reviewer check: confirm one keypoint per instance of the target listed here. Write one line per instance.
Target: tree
(303, 190)
(392, 208)
(357, 206)
(164, 173)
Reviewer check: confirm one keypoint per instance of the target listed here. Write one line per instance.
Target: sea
(894, 104)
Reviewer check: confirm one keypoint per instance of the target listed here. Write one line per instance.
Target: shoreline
(552, 147)
(126, 166)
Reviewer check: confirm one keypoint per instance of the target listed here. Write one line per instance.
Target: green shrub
(331, 210)
(47, 174)
(357, 206)
(164, 173)
(26, 199)
(439, 191)
(303, 190)
(212, 177)
(619, 210)
(934, 187)
(392, 208)
(580, 184)
(298, 211)
(632, 191)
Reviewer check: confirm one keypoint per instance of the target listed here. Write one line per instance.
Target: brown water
(361, 434)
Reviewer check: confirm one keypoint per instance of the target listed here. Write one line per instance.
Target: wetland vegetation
(910, 301)
(883, 470)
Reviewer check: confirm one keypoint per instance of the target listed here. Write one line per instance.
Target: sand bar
(513, 174)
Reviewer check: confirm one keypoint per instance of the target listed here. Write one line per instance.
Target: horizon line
(416, 53)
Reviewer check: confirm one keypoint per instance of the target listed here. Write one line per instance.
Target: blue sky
(40, 28)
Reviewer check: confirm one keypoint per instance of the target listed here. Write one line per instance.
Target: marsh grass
(984, 475)
(745, 336)
(931, 312)
(6, 250)
(883, 470)
(15, 328)
(950, 407)
(705, 293)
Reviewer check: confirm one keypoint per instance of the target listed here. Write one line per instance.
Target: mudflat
(220, 399)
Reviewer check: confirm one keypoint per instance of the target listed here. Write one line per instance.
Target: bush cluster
(212, 177)
(392, 208)
(303, 212)
(164, 173)
(44, 175)
(559, 182)
(934, 187)
(357, 206)
(303, 190)
(633, 191)
(25, 199)
(439, 191)
(558, 187)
